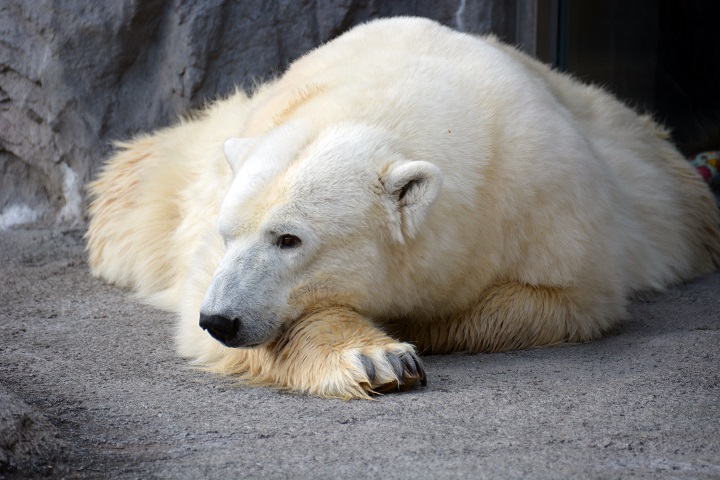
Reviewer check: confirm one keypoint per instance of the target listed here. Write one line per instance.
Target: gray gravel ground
(90, 387)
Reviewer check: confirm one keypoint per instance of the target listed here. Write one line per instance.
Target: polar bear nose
(221, 328)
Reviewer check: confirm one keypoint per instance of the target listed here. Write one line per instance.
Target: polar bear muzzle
(236, 331)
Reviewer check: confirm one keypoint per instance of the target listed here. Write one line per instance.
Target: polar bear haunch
(438, 192)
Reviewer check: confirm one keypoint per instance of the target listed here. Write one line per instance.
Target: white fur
(235, 150)
(511, 172)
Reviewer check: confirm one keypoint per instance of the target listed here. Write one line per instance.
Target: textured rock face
(77, 75)
(28, 441)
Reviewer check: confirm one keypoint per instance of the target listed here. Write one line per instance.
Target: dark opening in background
(659, 56)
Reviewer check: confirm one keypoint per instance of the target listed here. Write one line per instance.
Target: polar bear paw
(383, 370)
(355, 372)
(333, 353)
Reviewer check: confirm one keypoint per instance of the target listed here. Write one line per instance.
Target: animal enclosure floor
(90, 387)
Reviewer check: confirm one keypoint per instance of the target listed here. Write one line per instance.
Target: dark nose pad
(222, 329)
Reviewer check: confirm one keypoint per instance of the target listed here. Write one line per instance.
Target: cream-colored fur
(448, 191)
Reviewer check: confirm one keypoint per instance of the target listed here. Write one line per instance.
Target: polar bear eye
(288, 241)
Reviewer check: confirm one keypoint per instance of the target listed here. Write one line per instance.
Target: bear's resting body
(404, 188)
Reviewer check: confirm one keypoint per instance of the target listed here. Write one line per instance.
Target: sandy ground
(90, 387)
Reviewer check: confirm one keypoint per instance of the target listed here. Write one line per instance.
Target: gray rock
(29, 443)
(77, 75)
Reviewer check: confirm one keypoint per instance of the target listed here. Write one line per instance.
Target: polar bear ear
(235, 151)
(413, 186)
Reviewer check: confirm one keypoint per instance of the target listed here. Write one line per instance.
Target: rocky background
(76, 75)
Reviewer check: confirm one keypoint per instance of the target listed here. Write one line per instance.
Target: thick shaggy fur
(451, 194)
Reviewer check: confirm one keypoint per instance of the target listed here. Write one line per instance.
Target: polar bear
(404, 189)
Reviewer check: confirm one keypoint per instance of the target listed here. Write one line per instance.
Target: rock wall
(76, 75)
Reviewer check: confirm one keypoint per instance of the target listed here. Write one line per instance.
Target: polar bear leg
(332, 353)
(514, 315)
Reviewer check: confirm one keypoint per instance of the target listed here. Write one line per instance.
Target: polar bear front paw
(360, 371)
(337, 353)
(332, 353)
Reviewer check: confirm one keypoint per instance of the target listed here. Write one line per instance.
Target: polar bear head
(308, 225)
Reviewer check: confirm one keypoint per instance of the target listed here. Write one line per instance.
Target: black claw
(369, 367)
(409, 362)
(421, 371)
(397, 367)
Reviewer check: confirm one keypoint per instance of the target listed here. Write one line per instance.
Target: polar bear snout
(221, 328)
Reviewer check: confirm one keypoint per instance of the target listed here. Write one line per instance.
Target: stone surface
(77, 75)
(29, 443)
(641, 403)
